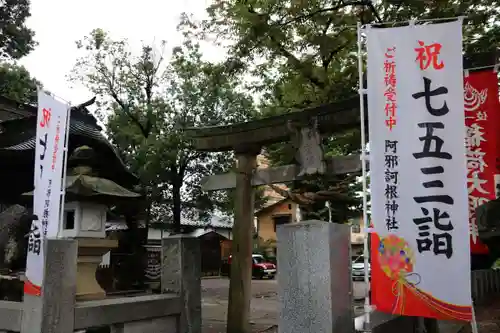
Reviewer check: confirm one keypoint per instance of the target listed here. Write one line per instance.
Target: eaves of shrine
(17, 145)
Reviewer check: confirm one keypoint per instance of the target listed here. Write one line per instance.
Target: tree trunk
(133, 276)
(431, 325)
(177, 206)
(427, 325)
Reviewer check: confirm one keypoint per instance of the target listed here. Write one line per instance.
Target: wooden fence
(485, 283)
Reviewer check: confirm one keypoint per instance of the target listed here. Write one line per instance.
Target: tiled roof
(223, 222)
(76, 127)
(216, 222)
(19, 131)
(115, 226)
(10, 110)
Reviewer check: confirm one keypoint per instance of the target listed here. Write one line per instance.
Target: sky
(59, 23)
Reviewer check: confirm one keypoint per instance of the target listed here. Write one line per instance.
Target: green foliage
(264, 247)
(481, 28)
(16, 40)
(17, 84)
(148, 103)
(304, 53)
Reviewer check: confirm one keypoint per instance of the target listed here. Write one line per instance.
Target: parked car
(261, 268)
(358, 269)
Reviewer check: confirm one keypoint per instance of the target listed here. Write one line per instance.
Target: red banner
(481, 118)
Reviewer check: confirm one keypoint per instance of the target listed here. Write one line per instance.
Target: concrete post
(314, 280)
(181, 273)
(53, 311)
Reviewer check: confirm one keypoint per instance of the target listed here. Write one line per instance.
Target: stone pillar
(238, 314)
(314, 280)
(53, 311)
(181, 273)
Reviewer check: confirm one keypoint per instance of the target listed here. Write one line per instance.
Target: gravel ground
(264, 305)
(487, 317)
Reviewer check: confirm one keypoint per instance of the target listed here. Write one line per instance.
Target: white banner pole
(366, 253)
(473, 323)
(64, 173)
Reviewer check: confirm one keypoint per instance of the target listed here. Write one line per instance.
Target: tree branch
(374, 10)
(326, 60)
(324, 10)
(307, 72)
(125, 108)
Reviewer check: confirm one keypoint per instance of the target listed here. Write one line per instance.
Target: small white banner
(50, 139)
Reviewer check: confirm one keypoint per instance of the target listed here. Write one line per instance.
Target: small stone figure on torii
(310, 160)
(309, 151)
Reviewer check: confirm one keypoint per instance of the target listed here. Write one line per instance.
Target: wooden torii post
(246, 141)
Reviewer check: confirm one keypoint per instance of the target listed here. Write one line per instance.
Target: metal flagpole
(473, 322)
(362, 92)
(493, 67)
(327, 205)
(393, 23)
(64, 172)
(35, 178)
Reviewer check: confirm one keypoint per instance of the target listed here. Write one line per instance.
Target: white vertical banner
(418, 173)
(49, 162)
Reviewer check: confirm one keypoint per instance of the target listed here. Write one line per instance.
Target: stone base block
(90, 252)
(314, 280)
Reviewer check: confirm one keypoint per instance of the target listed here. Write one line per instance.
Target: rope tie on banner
(398, 291)
(495, 68)
(402, 286)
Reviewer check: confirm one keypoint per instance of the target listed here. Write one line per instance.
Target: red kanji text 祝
(428, 55)
(46, 113)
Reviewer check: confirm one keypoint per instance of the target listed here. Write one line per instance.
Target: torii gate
(246, 141)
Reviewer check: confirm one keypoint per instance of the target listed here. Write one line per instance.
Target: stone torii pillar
(241, 264)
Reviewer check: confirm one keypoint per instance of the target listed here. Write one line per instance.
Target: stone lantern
(87, 199)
